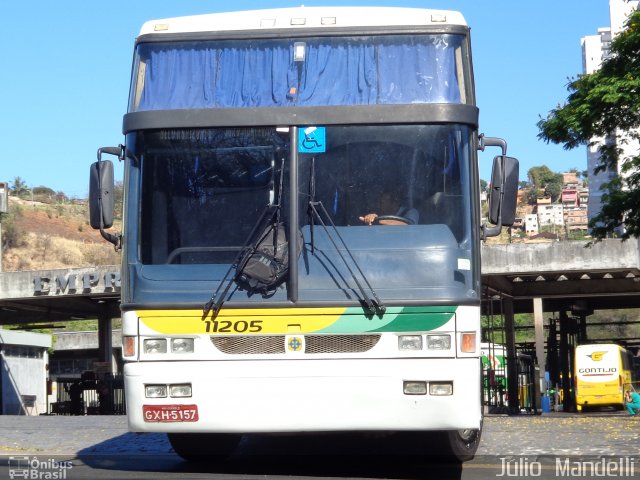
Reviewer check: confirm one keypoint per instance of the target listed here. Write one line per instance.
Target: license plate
(170, 413)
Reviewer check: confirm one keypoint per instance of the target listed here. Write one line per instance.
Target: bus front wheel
(200, 447)
(461, 444)
(452, 445)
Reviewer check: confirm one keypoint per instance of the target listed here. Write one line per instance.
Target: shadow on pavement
(325, 455)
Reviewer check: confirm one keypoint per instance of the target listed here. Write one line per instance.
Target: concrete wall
(82, 340)
(559, 257)
(23, 372)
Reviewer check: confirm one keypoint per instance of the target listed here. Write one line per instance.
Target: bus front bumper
(304, 395)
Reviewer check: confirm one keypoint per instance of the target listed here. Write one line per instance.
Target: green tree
(546, 181)
(42, 190)
(43, 194)
(539, 176)
(532, 196)
(553, 188)
(61, 197)
(585, 178)
(20, 187)
(599, 104)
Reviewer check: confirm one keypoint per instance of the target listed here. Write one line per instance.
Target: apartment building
(551, 214)
(531, 224)
(576, 219)
(595, 49)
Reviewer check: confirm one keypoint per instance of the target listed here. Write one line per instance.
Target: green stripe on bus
(395, 319)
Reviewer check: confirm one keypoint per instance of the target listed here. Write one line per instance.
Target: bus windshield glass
(203, 190)
(322, 71)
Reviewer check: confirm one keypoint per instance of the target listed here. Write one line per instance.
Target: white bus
(301, 241)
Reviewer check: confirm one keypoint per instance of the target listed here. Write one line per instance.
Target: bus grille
(250, 345)
(275, 344)
(340, 343)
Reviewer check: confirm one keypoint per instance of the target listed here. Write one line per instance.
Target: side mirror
(101, 198)
(504, 193)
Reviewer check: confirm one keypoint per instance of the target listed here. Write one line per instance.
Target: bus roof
(595, 346)
(304, 17)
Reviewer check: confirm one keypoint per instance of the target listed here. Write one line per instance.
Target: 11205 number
(239, 326)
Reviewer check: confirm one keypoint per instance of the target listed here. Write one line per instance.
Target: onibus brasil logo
(37, 469)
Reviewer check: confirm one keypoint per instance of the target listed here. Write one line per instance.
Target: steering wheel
(393, 220)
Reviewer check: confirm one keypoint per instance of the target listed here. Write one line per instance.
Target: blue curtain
(335, 71)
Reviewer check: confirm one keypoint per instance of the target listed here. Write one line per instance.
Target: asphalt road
(548, 446)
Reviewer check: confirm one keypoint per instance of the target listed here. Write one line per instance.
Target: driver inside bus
(392, 212)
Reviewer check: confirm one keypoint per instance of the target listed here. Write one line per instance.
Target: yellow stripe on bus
(241, 321)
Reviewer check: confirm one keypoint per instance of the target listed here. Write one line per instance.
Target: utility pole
(4, 208)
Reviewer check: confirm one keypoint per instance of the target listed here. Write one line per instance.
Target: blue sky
(65, 69)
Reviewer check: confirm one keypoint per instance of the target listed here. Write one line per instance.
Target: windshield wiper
(271, 214)
(374, 305)
(251, 244)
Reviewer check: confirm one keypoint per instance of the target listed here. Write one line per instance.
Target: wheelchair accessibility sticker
(312, 140)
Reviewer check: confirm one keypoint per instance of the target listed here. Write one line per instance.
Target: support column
(104, 384)
(512, 358)
(582, 328)
(538, 320)
(565, 328)
(105, 346)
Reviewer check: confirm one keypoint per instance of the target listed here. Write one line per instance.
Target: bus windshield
(598, 363)
(308, 71)
(203, 190)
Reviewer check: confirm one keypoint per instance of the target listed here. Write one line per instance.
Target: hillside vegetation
(47, 233)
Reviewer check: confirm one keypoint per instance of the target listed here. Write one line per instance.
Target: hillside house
(531, 224)
(576, 219)
(550, 214)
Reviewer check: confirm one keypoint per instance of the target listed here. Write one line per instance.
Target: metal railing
(89, 395)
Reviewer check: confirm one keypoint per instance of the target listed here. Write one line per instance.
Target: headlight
(441, 388)
(155, 345)
(438, 342)
(414, 387)
(180, 390)
(155, 391)
(410, 342)
(182, 345)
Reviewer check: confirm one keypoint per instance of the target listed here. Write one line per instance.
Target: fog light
(438, 342)
(182, 345)
(441, 388)
(155, 345)
(155, 391)
(181, 390)
(414, 387)
(410, 342)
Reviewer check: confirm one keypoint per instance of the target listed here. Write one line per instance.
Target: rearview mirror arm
(119, 152)
(484, 141)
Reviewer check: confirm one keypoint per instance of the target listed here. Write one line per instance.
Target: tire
(200, 447)
(448, 446)
(461, 445)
